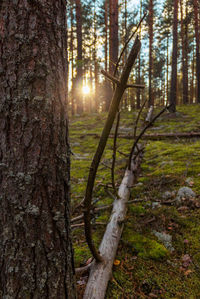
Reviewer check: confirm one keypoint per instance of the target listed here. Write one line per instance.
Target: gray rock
(166, 239)
(167, 195)
(186, 193)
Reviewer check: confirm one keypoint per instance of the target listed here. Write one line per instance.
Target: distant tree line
(169, 63)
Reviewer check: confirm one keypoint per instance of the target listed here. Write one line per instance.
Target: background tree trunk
(184, 54)
(151, 97)
(114, 41)
(113, 44)
(72, 56)
(36, 259)
(173, 89)
(79, 68)
(196, 19)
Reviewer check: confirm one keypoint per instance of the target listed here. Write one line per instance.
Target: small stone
(167, 195)
(166, 239)
(184, 193)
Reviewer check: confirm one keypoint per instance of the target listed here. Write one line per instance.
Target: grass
(147, 268)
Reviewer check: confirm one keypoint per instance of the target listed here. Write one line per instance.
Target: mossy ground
(147, 268)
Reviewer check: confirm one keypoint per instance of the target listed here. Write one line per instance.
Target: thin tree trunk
(167, 85)
(95, 63)
(139, 64)
(184, 56)
(151, 94)
(79, 68)
(106, 34)
(196, 19)
(36, 259)
(192, 79)
(173, 89)
(72, 56)
(113, 43)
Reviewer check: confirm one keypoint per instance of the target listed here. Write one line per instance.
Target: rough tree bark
(36, 259)
(173, 88)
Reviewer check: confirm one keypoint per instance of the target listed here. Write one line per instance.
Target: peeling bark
(36, 259)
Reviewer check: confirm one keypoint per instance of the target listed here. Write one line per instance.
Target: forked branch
(118, 93)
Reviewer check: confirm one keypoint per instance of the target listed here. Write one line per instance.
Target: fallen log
(100, 272)
(159, 136)
(156, 136)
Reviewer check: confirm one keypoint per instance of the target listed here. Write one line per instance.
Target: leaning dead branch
(100, 273)
(118, 93)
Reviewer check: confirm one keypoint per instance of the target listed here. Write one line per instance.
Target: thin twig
(138, 118)
(123, 154)
(142, 133)
(96, 210)
(114, 152)
(110, 77)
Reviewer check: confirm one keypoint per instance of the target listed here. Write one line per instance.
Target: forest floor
(159, 252)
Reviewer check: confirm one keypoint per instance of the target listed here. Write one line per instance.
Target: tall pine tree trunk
(113, 43)
(139, 64)
(36, 258)
(106, 34)
(173, 88)
(192, 78)
(197, 33)
(79, 62)
(184, 55)
(167, 85)
(95, 62)
(151, 94)
(72, 56)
